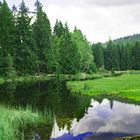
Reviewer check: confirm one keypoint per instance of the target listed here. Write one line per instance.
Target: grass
(129, 138)
(125, 86)
(12, 120)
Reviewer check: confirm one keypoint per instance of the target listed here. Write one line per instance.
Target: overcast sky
(98, 19)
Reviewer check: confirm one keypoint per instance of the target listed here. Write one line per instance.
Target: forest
(29, 46)
(118, 55)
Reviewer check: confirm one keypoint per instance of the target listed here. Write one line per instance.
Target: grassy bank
(24, 78)
(126, 86)
(78, 76)
(11, 120)
(130, 138)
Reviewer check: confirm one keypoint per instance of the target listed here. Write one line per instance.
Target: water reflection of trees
(7, 93)
(43, 131)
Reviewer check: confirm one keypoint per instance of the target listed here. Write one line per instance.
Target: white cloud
(103, 3)
(98, 23)
(112, 2)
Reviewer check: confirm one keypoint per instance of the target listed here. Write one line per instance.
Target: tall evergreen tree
(108, 56)
(98, 54)
(7, 39)
(126, 57)
(26, 57)
(67, 52)
(58, 29)
(43, 39)
(58, 32)
(111, 56)
(136, 55)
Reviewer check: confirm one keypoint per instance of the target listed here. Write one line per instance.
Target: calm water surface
(73, 114)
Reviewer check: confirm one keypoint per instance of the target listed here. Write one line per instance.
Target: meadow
(126, 86)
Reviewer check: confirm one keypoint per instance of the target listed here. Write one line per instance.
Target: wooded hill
(128, 39)
(120, 54)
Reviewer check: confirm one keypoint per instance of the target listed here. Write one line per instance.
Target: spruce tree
(7, 39)
(108, 56)
(125, 57)
(26, 58)
(111, 56)
(58, 29)
(136, 54)
(66, 52)
(57, 34)
(43, 40)
(98, 54)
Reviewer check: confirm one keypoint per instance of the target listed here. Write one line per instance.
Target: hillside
(128, 39)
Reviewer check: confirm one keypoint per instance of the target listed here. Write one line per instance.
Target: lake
(73, 114)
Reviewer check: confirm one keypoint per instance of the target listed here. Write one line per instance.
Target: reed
(12, 120)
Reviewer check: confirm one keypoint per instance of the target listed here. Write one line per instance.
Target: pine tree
(111, 56)
(66, 52)
(125, 57)
(129, 57)
(136, 54)
(58, 29)
(43, 40)
(57, 34)
(26, 57)
(115, 58)
(98, 54)
(7, 38)
(108, 56)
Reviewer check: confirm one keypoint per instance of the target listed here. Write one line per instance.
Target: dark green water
(74, 114)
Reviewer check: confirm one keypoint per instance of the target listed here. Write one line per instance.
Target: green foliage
(10, 72)
(7, 38)
(123, 56)
(26, 57)
(136, 56)
(111, 56)
(98, 54)
(73, 50)
(67, 52)
(43, 40)
(84, 56)
(128, 39)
